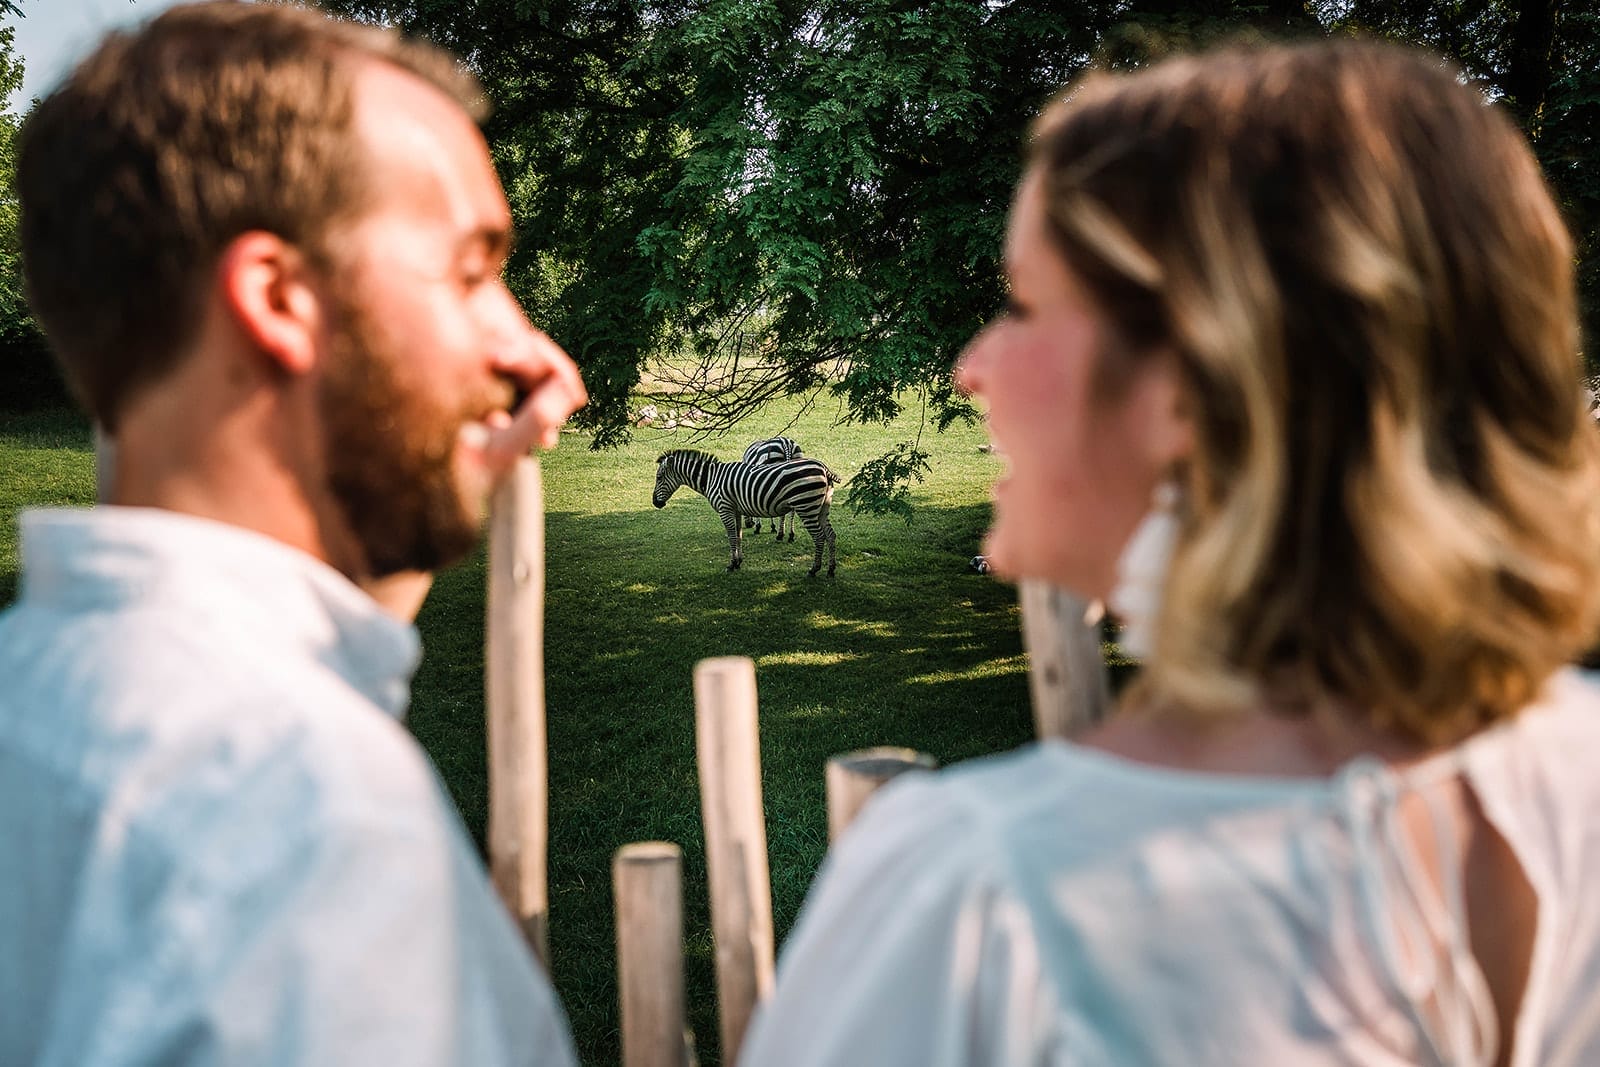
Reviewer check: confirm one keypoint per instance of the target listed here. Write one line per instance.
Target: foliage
(1569, 148)
(798, 196)
(883, 485)
(27, 377)
(1539, 58)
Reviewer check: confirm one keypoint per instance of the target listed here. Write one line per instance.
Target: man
(266, 249)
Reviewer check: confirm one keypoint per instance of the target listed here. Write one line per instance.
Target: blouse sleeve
(910, 950)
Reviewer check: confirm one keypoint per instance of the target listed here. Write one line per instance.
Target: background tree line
(783, 196)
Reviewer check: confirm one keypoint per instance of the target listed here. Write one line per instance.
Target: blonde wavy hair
(1394, 502)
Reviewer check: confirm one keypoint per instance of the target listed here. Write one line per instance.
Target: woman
(1290, 375)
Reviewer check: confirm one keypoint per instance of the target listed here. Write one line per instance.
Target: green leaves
(756, 197)
(883, 485)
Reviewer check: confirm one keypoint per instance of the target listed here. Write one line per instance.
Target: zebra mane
(686, 454)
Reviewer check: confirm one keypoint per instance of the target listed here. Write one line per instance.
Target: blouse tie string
(1418, 928)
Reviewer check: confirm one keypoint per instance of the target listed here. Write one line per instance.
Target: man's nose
(511, 335)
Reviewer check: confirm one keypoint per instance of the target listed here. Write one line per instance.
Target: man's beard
(390, 458)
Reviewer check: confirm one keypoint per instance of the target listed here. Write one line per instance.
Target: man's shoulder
(171, 721)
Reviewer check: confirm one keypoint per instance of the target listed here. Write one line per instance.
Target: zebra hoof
(733, 566)
(812, 573)
(830, 572)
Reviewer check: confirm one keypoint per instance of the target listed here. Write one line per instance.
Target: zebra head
(669, 476)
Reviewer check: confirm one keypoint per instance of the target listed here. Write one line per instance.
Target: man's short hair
(168, 142)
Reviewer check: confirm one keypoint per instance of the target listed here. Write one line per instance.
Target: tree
(759, 197)
(1567, 121)
(786, 196)
(29, 378)
(1541, 59)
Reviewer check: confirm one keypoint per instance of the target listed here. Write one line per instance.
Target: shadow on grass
(906, 646)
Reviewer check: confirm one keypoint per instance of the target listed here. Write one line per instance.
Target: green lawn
(905, 646)
(45, 460)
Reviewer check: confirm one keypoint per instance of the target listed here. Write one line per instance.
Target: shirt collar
(112, 556)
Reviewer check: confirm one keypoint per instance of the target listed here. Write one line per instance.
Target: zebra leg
(790, 519)
(818, 535)
(824, 532)
(730, 521)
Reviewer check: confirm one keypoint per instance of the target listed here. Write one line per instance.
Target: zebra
(804, 486)
(772, 450)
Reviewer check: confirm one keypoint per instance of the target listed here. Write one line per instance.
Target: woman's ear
(268, 288)
(1170, 424)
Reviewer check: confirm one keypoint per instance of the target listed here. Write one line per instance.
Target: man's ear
(269, 289)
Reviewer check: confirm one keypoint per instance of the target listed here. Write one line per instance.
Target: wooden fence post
(647, 884)
(518, 793)
(852, 777)
(1067, 674)
(728, 743)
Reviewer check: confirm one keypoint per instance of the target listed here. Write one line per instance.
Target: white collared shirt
(218, 844)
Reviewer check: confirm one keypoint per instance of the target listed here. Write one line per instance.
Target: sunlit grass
(906, 646)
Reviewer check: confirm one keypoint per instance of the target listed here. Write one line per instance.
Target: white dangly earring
(1142, 571)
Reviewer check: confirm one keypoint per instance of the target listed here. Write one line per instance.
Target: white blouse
(1059, 905)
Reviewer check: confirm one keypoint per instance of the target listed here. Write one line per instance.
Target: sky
(54, 34)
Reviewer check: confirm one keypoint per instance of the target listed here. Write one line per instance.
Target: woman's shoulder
(1540, 762)
(1568, 709)
(1055, 804)
(1063, 803)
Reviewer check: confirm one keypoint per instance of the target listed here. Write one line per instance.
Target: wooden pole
(647, 883)
(1067, 675)
(518, 793)
(728, 743)
(852, 777)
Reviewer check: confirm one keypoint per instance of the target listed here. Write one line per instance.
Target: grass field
(905, 646)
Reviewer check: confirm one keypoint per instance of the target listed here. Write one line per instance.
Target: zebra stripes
(772, 450)
(804, 486)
